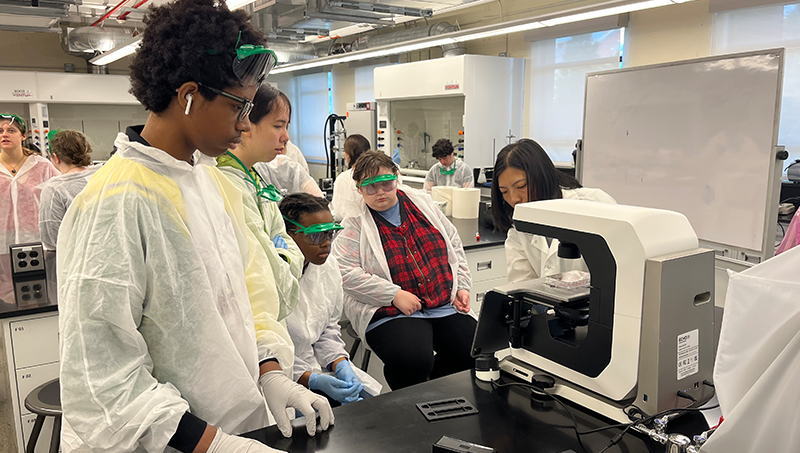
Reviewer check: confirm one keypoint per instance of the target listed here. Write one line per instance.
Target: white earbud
(188, 104)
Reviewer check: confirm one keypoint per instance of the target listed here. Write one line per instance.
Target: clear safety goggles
(10, 117)
(318, 233)
(253, 63)
(386, 183)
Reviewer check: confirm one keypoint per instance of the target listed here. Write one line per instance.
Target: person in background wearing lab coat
(405, 277)
(293, 152)
(524, 172)
(169, 334)
(70, 154)
(450, 171)
(321, 362)
(267, 136)
(21, 174)
(346, 198)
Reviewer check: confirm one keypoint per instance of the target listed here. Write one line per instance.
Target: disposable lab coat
(164, 305)
(758, 360)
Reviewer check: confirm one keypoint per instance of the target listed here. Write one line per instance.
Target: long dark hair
(543, 180)
(268, 99)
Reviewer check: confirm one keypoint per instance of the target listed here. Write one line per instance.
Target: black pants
(406, 346)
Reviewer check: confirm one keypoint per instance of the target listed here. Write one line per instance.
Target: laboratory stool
(45, 401)
(348, 327)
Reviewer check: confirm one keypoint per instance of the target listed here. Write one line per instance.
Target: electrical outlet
(26, 258)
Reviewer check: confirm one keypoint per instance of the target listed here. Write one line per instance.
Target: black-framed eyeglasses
(247, 106)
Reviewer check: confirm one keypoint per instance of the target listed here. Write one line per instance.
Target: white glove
(225, 443)
(280, 393)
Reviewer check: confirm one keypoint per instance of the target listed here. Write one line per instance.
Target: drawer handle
(486, 265)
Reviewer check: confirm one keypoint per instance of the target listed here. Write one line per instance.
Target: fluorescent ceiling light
(606, 12)
(234, 4)
(117, 53)
(499, 31)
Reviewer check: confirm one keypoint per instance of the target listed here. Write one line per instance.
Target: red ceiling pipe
(124, 16)
(108, 14)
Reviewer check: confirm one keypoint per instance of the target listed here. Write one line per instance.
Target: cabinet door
(32, 377)
(35, 341)
(43, 443)
(478, 292)
(487, 263)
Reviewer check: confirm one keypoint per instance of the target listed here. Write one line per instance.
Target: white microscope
(641, 331)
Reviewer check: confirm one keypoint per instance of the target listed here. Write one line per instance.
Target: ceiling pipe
(386, 39)
(110, 13)
(124, 16)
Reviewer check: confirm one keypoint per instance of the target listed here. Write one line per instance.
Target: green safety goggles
(386, 183)
(447, 172)
(253, 63)
(270, 193)
(10, 117)
(51, 136)
(318, 233)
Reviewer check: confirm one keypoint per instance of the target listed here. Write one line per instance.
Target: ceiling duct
(400, 36)
(292, 52)
(89, 41)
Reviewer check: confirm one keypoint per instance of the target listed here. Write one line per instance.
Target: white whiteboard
(697, 137)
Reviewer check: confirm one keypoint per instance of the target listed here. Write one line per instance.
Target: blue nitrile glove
(341, 391)
(345, 372)
(396, 156)
(280, 243)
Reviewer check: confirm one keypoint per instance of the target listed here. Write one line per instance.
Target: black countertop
(8, 304)
(508, 421)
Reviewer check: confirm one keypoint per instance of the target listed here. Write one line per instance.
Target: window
(764, 28)
(310, 96)
(559, 68)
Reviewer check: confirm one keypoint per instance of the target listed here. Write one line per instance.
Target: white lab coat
(57, 195)
(366, 278)
(294, 153)
(529, 256)
(314, 324)
(758, 360)
(288, 176)
(164, 305)
(19, 201)
(346, 200)
(462, 177)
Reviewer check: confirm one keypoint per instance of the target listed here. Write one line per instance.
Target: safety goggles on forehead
(387, 183)
(318, 233)
(10, 117)
(253, 63)
(247, 105)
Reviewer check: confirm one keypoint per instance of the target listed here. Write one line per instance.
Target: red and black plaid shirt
(417, 256)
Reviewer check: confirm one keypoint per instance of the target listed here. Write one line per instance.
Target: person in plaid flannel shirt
(405, 277)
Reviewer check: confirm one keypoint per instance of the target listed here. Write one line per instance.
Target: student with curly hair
(170, 336)
(450, 171)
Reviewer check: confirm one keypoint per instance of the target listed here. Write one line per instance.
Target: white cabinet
(43, 444)
(488, 268)
(32, 358)
(34, 341)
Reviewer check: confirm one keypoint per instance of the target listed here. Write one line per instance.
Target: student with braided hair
(321, 361)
